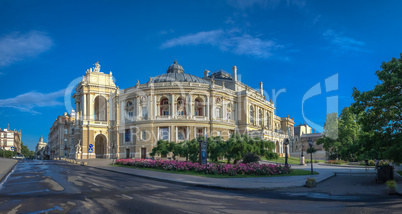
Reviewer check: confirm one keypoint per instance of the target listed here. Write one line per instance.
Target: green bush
(7, 154)
(336, 162)
(272, 156)
(251, 158)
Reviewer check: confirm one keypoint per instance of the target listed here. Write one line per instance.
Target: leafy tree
(7, 154)
(349, 131)
(381, 111)
(312, 150)
(216, 148)
(331, 126)
(193, 150)
(162, 148)
(237, 147)
(330, 140)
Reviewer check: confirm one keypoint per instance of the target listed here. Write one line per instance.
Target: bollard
(78, 162)
(85, 163)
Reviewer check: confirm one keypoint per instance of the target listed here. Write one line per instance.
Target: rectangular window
(144, 135)
(144, 112)
(218, 133)
(180, 135)
(65, 131)
(130, 114)
(218, 112)
(164, 133)
(165, 112)
(128, 135)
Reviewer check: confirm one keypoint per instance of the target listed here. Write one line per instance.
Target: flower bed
(210, 168)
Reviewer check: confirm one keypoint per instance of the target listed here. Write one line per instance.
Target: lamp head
(310, 142)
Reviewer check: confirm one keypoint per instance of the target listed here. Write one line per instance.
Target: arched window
(130, 109)
(181, 106)
(100, 108)
(164, 106)
(260, 117)
(251, 115)
(199, 107)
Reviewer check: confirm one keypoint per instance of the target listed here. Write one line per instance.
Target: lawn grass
(291, 160)
(295, 172)
(399, 172)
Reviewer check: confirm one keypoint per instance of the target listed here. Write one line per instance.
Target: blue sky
(291, 45)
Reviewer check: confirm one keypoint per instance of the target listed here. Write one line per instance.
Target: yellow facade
(127, 123)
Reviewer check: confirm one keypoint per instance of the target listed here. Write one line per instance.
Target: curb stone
(201, 185)
(7, 171)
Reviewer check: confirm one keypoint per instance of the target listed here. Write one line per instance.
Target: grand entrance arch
(100, 146)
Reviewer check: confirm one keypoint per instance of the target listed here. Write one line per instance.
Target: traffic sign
(12, 148)
(91, 145)
(90, 150)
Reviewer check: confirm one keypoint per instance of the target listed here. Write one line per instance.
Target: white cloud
(28, 101)
(16, 47)
(203, 37)
(231, 41)
(271, 4)
(344, 43)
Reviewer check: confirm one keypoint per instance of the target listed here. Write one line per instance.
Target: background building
(175, 106)
(10, 140)
(302, 134)
(60, 138)
(40, 149)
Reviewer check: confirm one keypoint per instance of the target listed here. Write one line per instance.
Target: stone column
(172, 101)
(91, 107)
(224, 116)
(213, 108)
(191, 106)
(155, 108)
(136, 107)
(207, 107)
(177, 133)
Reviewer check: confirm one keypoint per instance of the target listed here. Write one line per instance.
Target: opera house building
(127, 123)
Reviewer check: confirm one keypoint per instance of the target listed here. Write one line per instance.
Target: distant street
(60, 187)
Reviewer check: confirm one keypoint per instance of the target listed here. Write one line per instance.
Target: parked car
(19, 157)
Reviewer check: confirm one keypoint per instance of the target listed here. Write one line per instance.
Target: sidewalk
(5, 166)
(267, 183)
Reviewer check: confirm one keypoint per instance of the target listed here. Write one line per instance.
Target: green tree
(216, 148)
(331, 126)
(381, 111)
(349, 131)
(162, 148)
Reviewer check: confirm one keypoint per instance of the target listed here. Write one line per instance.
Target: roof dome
(178, 77)
(175, 73)
(175, 68)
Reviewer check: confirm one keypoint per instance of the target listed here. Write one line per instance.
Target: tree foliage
(381, 112)
(235, 148)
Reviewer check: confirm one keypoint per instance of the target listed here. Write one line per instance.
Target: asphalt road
(60, 187)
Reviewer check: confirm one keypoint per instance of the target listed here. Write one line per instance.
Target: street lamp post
(302, 155)
(286, 143)
(310, 143)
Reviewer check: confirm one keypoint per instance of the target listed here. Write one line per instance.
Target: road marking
(95, 184)
(5, 179)
(21, 193)
(78, 176)
(126, 196)
(44, 211)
